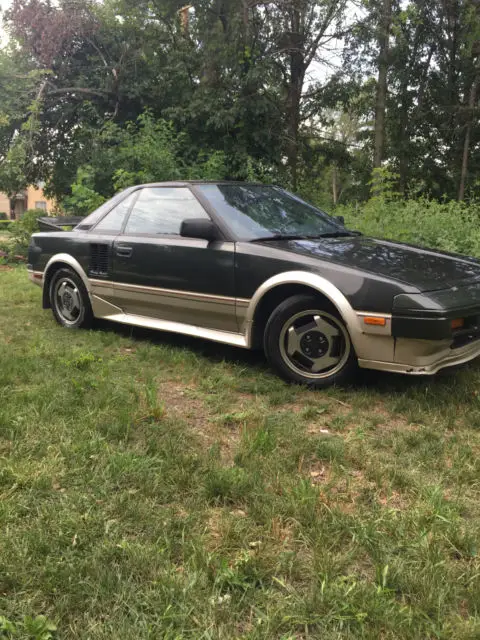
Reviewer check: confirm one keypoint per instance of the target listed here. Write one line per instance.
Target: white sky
(4, 4)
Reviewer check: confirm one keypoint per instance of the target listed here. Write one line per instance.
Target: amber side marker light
(457, 323)
(378, 322)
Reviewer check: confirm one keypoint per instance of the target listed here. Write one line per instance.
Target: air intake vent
(99, 259)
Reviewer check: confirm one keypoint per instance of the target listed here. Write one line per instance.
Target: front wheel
(309, 344)
(69, 300)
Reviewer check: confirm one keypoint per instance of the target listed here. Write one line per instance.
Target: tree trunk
(294, 93)
(334, 185)
(381, 96)
(466, 143)
(293, 119)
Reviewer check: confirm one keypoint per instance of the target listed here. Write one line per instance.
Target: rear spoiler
(58, 224)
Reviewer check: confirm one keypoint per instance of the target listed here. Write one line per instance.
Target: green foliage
(33, 628)
(147, 151)
(13, 176)
(3, 215)
(144, 151)
(21, 230)
(449, 225)
(142, 96)
(383, 184)
(84, 198)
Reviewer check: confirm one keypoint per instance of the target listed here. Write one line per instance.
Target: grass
(154, 486)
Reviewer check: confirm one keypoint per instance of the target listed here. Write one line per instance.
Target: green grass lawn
(155, 486)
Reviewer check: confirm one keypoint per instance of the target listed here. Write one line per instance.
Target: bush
(3, 216)
(21, 230)
(4, 225)
(450, 226)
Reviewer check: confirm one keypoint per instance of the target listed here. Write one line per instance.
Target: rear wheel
(69, 300)
(309, 344)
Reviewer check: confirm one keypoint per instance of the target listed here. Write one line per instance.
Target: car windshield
(256, 212)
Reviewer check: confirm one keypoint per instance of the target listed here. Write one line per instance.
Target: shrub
(3, 216)
(21, 230)
(450, 226)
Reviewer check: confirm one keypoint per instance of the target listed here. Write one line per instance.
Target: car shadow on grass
(214, 351)
(380, 381)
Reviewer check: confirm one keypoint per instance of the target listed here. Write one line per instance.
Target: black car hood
(425, 269)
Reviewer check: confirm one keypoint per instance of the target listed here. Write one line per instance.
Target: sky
(4, 4)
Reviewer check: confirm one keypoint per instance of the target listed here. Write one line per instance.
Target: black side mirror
(340, 219)
(199, 228)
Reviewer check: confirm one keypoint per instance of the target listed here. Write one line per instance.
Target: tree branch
(94, 92)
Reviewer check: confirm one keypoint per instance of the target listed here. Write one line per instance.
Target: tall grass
(450, 226)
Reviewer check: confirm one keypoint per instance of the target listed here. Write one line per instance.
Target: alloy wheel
(68, 301)
(315, 344)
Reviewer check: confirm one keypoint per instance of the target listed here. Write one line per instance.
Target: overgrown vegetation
(147, 150)
(318, 92)
(16, 235)
(159, 486)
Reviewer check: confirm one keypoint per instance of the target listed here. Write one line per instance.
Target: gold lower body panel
(201, 316)
(423, 357)
(184, 307)
(106, 311)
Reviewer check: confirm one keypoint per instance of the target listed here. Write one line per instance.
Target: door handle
(123, 251)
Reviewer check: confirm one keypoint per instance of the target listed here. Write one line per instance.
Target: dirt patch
(346, 492)
(318, 474)
(390, 421)
(183, 401)
(394, 500)
(282, 531)
(5, 267)
(213, 528)
(315, 471)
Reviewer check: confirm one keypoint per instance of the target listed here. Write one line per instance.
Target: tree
(473, 57)
(385, 23)
(301, 30)
(230, 77)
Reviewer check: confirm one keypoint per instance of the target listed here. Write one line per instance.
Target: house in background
(30, 198)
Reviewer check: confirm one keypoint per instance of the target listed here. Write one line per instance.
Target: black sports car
(255, 266)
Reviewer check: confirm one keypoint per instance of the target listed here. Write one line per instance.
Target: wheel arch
(276, 289)
(55, 263)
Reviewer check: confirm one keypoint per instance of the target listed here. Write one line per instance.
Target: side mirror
(199, 228)
(340, 219)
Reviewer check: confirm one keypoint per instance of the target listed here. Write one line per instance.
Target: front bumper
(424, 357)
(422, 339)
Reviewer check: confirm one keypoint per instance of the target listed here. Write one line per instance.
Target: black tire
(69, 300)
(303, 326)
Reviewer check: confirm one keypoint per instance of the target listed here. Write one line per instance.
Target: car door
(98, 245)
(159, 274)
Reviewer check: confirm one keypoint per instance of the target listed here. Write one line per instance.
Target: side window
(161, 210)
(113, 221)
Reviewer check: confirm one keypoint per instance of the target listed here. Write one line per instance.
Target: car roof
(93, 217)
(185, 183)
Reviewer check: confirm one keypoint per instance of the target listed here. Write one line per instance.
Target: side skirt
(106, 311)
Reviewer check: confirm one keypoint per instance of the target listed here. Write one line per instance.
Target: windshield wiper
(339, 234)
(282, 236)
(330, 234)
